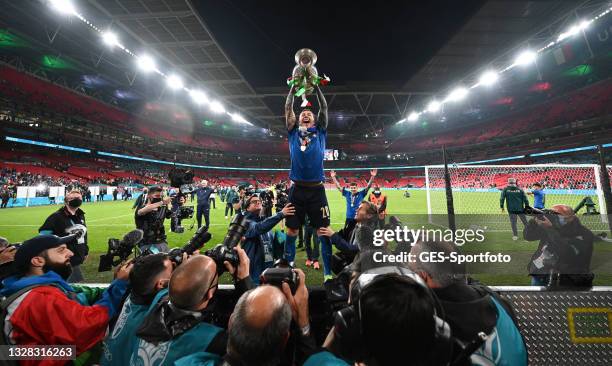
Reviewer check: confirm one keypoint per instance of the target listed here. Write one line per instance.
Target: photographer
(563, 257)
(259, 237)
(260, 328)
(267, 201)
(470, 309)
(61, 222)
(175, 328)
(150, 219)
(361, 237)
(43, 309)
(148, 281)
(390, 320)
(203, 193)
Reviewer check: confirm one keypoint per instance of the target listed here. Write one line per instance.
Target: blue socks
(326, 254)
(290, 248)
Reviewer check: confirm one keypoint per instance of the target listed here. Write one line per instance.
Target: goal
(476, 191)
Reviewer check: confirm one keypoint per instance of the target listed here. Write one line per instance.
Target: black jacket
(58, 222)
(566, 250)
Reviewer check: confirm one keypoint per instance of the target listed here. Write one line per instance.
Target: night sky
(361, 42)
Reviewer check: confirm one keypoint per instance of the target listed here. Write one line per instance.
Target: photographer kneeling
(470, 309)
(563, 257)
(175, 328)
(41, 308)
(259, 237)
(150, 219)
(148, 281)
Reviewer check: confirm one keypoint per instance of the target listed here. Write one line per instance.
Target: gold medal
(303, 148)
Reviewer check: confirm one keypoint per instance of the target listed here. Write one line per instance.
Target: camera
(282, 198)
(278, 276)
(121, 249)
(225, 251)
(541, 214)
(180, 177)
(199, 239)
(183, 212)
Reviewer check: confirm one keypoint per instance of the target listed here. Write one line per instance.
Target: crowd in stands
(34, 105)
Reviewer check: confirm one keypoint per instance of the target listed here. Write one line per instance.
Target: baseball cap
(33, 247)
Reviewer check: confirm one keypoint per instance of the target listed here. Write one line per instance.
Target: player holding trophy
(307, 137)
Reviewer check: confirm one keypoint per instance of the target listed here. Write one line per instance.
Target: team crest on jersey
(150, 354)
(122, 318)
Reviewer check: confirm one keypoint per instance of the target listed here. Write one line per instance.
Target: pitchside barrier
(42, 195)
(559, 327)
(477, 189)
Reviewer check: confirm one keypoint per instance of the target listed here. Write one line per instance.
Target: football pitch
(112, 219)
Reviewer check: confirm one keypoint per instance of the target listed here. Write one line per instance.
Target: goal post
(477, 189)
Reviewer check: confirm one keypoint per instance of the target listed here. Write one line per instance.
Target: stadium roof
(409, 50)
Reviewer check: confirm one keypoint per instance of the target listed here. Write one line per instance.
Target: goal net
(477, 190)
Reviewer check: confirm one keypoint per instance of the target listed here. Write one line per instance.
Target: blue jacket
(203, 194)
(258, 243)
(118, 345)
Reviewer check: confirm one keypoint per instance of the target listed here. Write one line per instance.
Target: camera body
(541, 214)
(225, 251)
(277, 276)
(201, 237)
(120, 249)
(282, 198)
(180, 177)
(183, 212)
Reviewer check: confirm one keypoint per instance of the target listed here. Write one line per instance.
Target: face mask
(75, 202)
(155, 200)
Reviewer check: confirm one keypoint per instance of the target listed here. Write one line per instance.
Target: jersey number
(325, 212)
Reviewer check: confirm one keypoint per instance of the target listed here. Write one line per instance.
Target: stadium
(260, 166)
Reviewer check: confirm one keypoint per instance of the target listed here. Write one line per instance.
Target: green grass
(113, 219)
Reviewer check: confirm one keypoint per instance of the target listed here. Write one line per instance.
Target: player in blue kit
(307, 138)
(539, 197)
(353, 197)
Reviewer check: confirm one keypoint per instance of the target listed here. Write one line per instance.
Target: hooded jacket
(470, 310)
(53, 313)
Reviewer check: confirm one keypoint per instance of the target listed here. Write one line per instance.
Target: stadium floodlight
(217, 107)
(198, 96)
(413, 116)
(146, 63)
(63, 6)
(110, 39)
(434, 106)
(575, 29)
(488, 78)
(525, 58)
(457, 94)
(174, 82)
(238, 118)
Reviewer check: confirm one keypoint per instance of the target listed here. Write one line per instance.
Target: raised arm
(333, 177)
(373, 173)
(290, 119)
(322, 117)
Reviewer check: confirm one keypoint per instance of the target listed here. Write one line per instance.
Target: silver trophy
(305, 75)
